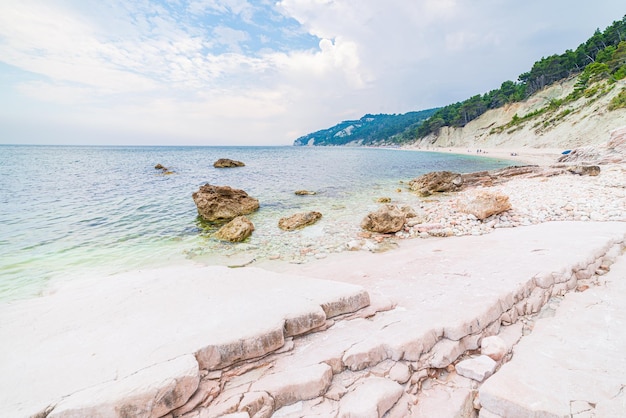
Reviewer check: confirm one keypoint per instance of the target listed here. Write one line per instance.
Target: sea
(71, 212)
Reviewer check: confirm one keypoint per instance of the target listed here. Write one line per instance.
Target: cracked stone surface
(100, 333)
(573, 363)
(292, 340)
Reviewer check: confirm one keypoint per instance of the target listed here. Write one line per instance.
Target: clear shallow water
(68, 212)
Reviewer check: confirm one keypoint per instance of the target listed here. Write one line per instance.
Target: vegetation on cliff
(598, 63)
(603, 56)
(369, 130)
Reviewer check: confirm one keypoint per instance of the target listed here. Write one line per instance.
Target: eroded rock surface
(436, 182)
(299, 220)
(387, 219)
(236, 230)
(227, 163)
(483, 204)
(217, 203)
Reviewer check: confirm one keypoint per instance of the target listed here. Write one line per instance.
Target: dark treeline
(602, 55)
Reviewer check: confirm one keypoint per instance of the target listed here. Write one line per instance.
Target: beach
(394, 327)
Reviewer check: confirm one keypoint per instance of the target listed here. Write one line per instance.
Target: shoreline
(527, 156)
(431, 299)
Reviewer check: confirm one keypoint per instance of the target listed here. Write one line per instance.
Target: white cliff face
(585, 121)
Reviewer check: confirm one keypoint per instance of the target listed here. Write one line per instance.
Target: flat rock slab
(106, 333)
(573, 364)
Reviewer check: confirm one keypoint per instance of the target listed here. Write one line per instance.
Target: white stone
(400, 372)
(291, 386)
(477, 368)
(151, 392)
(371, 398)
(494, 347)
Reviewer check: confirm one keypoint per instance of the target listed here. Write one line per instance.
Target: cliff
(549, 118)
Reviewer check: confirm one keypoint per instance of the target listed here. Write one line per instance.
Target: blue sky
(238, 72)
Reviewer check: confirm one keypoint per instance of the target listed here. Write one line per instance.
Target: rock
(217, 203)
(387, 219)
(291, 386)
(484, 204)
(383, 200)
(490, 178)
(400, 372)
(493, 347)
(436, 182)
(584, 170)
(305, 193)
(299, 220)
(227, 163)
(371, 399)
(151, 392)
(160, 167)
(477, 368)
(236, 230)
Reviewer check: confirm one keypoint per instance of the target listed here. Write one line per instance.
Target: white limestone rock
(494, 347)
(149, 393)
(370, 399)
(477, 368)
(291, 386)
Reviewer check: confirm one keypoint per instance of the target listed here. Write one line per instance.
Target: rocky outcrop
(218, 203)
(387, 219)
(410, 360)
(299, 220)
(484, 204)
(436, 182)
(227, 163)
(494, 177)
(236, 230)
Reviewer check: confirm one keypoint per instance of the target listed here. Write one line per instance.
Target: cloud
(268, 72)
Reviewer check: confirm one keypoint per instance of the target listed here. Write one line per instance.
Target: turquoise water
(70, 212)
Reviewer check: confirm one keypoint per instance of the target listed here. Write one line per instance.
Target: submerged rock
(227, 163)
(217, 203)
(160, 167)
(236, 230)
(436, 182)
(304, 193)
(299, 220)
(387, 219)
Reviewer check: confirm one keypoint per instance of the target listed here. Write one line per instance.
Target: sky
(240, 72)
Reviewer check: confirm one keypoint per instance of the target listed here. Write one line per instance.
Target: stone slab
(572, 363)
(96, 331)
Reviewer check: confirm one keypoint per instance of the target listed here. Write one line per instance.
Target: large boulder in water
(218, 203)
(226, 163)
(299, 220)
(236, 230)
(387, 219)
(436, 182)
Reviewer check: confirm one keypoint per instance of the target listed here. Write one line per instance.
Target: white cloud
(148, 67)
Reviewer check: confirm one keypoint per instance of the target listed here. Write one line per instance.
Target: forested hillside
(369, 130)
(601, 58)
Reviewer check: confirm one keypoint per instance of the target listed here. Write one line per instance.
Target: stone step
(96, 346)
(448, 295)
